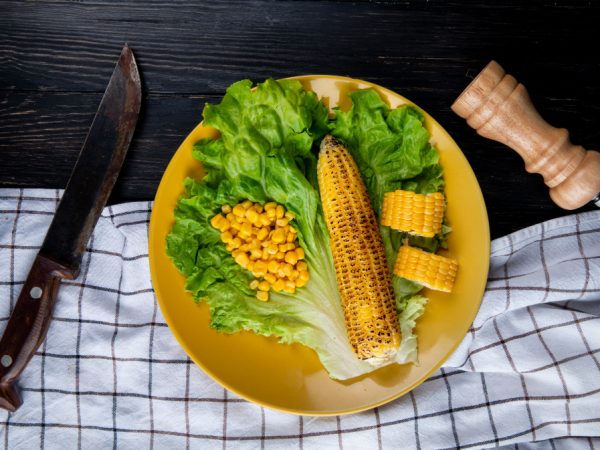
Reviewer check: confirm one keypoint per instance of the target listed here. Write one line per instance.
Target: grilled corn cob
(414, 213)
(430, 270)
(362, 273)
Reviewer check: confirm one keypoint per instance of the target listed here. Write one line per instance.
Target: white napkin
(110, 374)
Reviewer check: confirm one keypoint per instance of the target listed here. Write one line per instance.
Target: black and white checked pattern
(111, 375)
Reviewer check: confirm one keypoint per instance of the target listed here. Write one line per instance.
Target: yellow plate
(290, 378)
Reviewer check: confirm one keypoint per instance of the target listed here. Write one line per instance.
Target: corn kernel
(252, 215)
(303, 275)
(300, 253)
(262, 234)
(291, 258)
(226, 209)
(270, 205)
(290, 215)
(279, 256)
(290, 287)
(264, 220)
(236, 242)
(300, 282)
(264, 286)
(271, 214)
(243, 260)
(281, 222)
(301, 265)
(255, 253)
(278, 236)
(244, 248)
(291, 237)
(247, 204)
(216, 220)
(235, 225)
(262, 296)
(294, 275)
(246, 230)
(230, 216)
(226, 237)
(278, 285)
(260, 267)
(239, 210)
(287, 269)
(272, 249)
(254, 284)
(279, 211)
(273, 266)
(270, 278)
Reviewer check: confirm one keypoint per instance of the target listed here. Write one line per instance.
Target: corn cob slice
(414, 213)
(363, 277)
(432, 271)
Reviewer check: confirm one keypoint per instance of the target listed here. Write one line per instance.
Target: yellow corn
(264, 286)
(432, 271)
(262, 241)
(239, 210)
(414, 213)
(362, 272)
(291, 257)
(263, 296)
(270, 278)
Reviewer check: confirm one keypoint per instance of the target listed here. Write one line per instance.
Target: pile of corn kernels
(261, 240)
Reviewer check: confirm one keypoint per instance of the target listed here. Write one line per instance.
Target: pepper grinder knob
(499, 108)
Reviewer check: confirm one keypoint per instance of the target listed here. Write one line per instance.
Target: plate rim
(169, 320)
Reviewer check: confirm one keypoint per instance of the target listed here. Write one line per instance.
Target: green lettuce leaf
(266, 152)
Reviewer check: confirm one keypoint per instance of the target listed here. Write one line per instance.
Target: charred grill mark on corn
(417, 214)
(261, 239)
(361, 268)
(433, 271)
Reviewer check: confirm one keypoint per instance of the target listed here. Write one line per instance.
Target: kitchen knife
(87, 191)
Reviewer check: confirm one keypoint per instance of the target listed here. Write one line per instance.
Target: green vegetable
(267, 152)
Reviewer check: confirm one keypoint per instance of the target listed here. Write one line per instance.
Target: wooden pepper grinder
(499, 108)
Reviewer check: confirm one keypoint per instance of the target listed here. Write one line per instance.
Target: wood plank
(41, 135)
(202, 47)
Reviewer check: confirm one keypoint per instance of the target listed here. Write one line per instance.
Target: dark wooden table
(56, 58)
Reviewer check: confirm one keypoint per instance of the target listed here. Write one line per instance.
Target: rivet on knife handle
(87, 191)
(33, 309)
(499, 108)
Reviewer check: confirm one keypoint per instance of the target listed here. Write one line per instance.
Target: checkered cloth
(110, 374)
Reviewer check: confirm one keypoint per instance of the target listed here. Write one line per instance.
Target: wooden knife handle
(499, 108)
(28, 324)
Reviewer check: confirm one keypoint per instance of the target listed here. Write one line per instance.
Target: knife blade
(87, 191)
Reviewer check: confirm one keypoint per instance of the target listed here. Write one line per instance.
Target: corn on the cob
(414, 213)
(432, 271)
(255, 236)
(362, 273)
